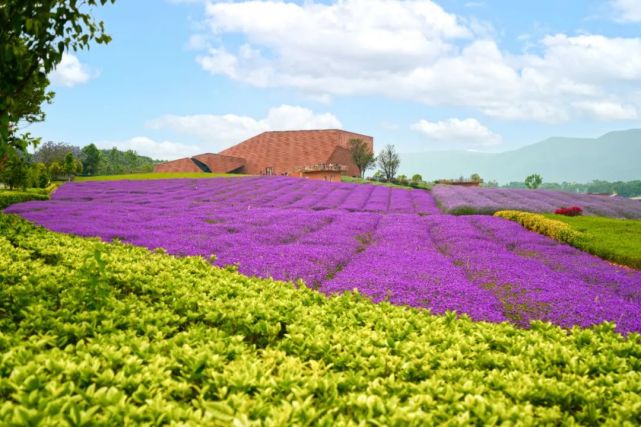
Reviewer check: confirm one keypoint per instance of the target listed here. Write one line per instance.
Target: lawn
(617, 240)
(103, 334)
(393, 245)
(152, 176)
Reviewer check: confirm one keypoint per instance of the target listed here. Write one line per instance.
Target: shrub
(571, 211)
(555, 229)
(8, 198)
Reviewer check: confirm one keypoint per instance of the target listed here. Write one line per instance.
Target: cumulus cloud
(418, 51)
(627, 10)
(220, 131)
(70, 72)
(158, 150)
(458, 133)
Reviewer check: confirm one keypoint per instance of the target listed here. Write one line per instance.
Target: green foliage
(110, 334)
(417, 178)
(388, 162)
(33, 37)
(361, 155)
(10, 197)
(151, 176)
(40, 177)
(533, 181)
(475, 177)
(14, 172)
(90, 159)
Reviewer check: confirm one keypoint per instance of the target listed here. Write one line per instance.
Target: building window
(269, 171)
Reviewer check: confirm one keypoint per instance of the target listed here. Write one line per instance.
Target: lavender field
(457, 199)
(391, 244)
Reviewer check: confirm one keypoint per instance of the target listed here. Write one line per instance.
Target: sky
(183, 77)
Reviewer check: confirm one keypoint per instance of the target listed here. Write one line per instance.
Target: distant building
(315, 154)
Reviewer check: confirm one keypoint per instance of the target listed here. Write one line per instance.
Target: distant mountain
(615, 156)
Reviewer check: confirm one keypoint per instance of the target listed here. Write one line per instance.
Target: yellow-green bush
(110, 334)
(536, 222)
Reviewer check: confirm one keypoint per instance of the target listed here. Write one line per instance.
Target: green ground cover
(110, 334)
(617, 240)
(9, 197)
(151, 175)
(425, 186)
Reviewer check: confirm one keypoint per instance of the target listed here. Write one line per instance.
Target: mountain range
(615, 156)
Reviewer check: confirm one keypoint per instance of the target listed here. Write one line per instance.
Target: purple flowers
(390, 244)
(457, 199)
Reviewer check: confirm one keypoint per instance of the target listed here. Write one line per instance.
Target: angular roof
(218, 163)
(286, 150)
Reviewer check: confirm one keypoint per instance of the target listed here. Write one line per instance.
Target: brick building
(307, 153)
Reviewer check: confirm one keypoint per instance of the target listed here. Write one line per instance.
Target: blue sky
(186, 76)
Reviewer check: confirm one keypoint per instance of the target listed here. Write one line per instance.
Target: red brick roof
(282, 151)
(285, 151)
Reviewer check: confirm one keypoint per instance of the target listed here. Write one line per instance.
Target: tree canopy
(362, 157)
(33, 37)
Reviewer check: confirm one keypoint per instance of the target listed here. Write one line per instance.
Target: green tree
(71, 166)
(15, 170)
(417, 178)
(50, 152)
(33, 37)
(388, 162)
(55, 170)
(476, 177)
(90, 159)
(40, 177)
(533, 181)
(362, 157)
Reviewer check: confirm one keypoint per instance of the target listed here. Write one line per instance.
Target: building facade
(279, 153)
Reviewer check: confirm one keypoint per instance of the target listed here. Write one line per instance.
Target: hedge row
(10, 197)
(536, 222)
(110, 334)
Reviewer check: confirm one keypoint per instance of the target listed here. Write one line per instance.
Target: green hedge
(8, 197)
(553, 228)
(109, 334)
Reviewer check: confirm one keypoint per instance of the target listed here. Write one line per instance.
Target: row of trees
(388, 160)
(60, 161)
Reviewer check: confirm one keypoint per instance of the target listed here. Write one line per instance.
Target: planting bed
(463, 200)
(391, 244)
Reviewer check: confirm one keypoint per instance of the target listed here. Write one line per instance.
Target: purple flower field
(457, 199)
(391, 244)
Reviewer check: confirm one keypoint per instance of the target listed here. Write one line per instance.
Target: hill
(611, 157)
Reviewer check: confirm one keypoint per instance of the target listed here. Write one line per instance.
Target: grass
(617, 240)
(385, 184)
(152, 175)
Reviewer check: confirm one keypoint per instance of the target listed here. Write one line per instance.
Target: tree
(417, 178)
(475, 177)
(71, 166)
(50, 152)
(388, 162)
(533, 181)
(40, 177)
(55, 170)
(90, 156)
(33, 37)
(15, 171)
(362, 157)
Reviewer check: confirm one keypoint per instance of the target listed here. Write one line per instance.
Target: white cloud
(416, 50)
(458, 133)
(607, 110)
(158, 150)
(627, 10)
(70, 72)
(217, 132)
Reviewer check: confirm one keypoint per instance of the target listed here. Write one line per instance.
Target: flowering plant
(571, 211)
